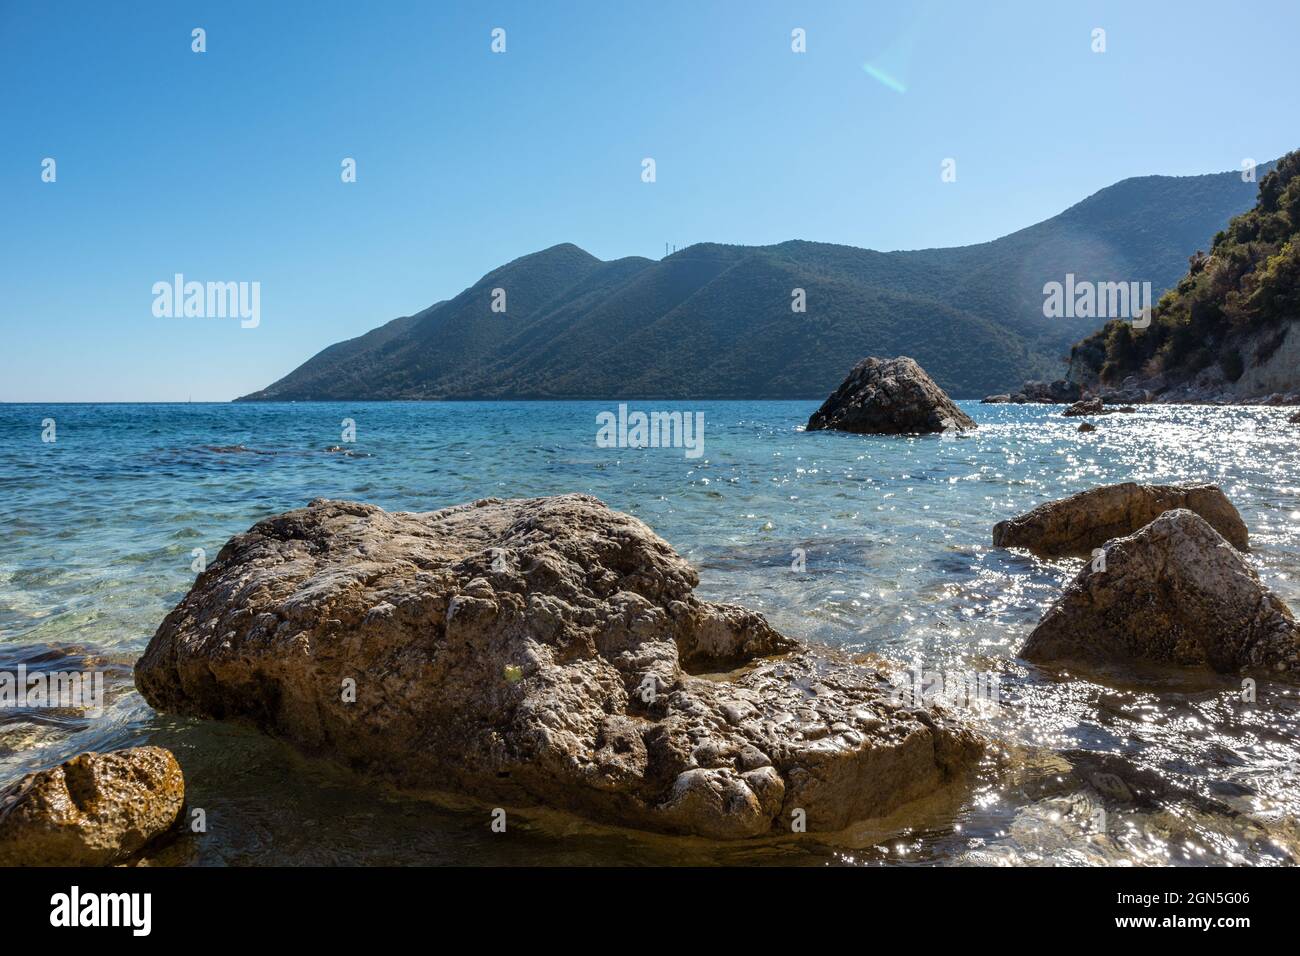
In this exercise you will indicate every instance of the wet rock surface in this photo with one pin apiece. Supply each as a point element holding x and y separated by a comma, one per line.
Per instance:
<point>1176,593</point>
<point>1086,406</point>
<point>889,397</point>
<point>95,810</point>
<point>1087,520</point>
<point>544,651</point>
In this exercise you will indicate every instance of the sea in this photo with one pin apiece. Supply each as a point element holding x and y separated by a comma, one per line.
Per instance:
<point>878,545</point>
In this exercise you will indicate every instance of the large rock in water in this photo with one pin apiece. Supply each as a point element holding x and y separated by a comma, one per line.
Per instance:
<point>94,810</point>
<point>1076,525</point>
<point>1177,593</point>
<point>889,397</point>
<point>539,651</point>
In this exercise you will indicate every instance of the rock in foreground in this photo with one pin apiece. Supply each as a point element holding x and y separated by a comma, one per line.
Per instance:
<point>889,397</point>
<point>1173,593</point>
<point>1076,525</point>
<point>94,810</point>
<point>539,651</point>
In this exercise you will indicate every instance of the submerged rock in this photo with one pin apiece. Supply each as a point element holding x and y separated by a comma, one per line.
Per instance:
<point>94,810</point>
<point>889,397</point>
<point>1087,427</point>
<point>1087,520</point>
<point>1174,592</point>
<point>540,651</point>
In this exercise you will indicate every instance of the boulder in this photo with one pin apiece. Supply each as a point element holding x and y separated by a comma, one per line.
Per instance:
<point>995,399</point>
<point>889,397</point>
<point>94,810</point>
<point>1087,427</point>
<point>1087,520</point>
<point>1294,419</point>
<point>545,651</point>
<point>1173,593</point>
<point>1085,406</point>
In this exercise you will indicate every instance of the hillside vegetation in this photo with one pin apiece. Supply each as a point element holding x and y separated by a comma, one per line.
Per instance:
<point>1246,286</point>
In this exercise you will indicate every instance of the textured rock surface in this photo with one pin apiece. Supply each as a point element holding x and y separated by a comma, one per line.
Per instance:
<point>94,810</point>
<point>1086,406</point>
<point>537,652</point>
<point>889,397</point>
<point>1087,520</point>
<point>1177,593</point>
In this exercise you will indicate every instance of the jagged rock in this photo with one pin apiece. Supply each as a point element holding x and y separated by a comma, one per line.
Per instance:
<point>1087,427</point>
<point>94,810</point>
<point>1087,520</point>
<point>995,399</point>
<point>889,397</point>
<point>540,651</point>
<point>1085,406</point>
<point>1174,592</point>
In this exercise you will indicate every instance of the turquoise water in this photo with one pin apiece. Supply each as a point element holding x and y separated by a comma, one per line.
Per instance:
<point>101,524</point>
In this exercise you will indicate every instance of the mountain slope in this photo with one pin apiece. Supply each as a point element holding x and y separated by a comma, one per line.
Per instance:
<point>1225,321</point>
<point>715,321</point>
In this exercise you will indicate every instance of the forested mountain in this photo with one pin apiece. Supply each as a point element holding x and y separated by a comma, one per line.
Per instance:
<point>715,321</point>
<point>1233,307</point>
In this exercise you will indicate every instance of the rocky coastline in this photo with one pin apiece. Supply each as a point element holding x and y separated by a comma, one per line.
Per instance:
<point>552,653</point>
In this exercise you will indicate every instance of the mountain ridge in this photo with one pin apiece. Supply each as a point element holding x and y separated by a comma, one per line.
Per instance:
<point>714,320</point>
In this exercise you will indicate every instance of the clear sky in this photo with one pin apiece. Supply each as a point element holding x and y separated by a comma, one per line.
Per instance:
<point>225,165</point>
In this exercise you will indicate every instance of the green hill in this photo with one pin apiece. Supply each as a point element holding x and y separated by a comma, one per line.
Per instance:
<point>715,321</point>
<point>1227,306</point>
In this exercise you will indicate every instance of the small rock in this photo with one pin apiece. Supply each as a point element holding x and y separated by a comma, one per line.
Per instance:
<point>94,810</point>
<point>1087,427</point>
<point>1085,406</point>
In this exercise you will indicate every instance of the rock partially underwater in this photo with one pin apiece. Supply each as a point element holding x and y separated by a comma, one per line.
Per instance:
<point>1173,593</point>
<point>95,810</point>
<point>545,651</point>
<point>1087,520</point>
<point>889,397</point>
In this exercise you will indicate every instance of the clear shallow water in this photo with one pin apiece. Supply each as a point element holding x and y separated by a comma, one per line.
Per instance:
<point>896,534</point>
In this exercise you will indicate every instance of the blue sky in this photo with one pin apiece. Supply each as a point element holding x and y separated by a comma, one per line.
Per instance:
<point>225,165</point>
